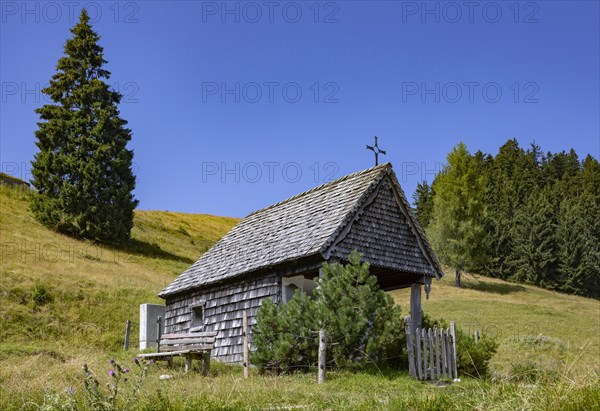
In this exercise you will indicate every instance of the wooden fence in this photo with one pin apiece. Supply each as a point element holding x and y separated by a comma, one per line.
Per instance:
<point>431,352</point>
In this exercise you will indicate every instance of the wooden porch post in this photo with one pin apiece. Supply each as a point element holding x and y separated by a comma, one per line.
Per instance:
<point>415,307</point>
<point>322,348</point>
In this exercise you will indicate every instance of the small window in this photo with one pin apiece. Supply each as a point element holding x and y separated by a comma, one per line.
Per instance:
<point>197,316</point>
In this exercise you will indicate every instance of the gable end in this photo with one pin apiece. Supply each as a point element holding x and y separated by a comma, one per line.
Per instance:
<point>382,232</point>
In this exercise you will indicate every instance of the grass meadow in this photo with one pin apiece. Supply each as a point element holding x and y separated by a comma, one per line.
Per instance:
<point>64,302</point>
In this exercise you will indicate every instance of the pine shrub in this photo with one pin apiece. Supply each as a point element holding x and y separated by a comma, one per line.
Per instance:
<point>362,324</point>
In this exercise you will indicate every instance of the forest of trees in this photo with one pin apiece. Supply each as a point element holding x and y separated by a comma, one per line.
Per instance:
<point>521,215</point>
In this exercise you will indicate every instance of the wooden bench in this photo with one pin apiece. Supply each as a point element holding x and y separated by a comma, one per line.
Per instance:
<point>189,345</point>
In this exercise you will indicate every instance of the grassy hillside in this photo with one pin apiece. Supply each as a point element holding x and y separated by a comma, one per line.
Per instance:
<point>64,302</point>
<point>543,330</point>
<point>60,292</point>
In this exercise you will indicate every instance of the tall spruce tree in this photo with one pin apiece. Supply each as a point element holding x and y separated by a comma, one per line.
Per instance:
<point>579,233</point>
<point>82,172</point>
<point>533,257</point>
<point>423,198</point>
<point>456,226</point>
<point>579,247</point>
<point>510,178</point>
<point>590,177</point>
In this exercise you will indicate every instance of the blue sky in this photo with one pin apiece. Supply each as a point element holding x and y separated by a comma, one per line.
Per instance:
<point>237,105</point>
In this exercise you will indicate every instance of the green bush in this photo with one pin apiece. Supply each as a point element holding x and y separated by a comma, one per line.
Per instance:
<point>473,357</point>
<point>360,320</point>
<point>362,324</point>
<point>284,335</point>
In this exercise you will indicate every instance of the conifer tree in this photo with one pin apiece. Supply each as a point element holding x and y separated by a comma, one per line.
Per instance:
<point>534,255</point>
<point>284,335</point>
<point>82,172</point>
<point>456,227</point>
<point>579,233</point>
<point>423,198</point>
<point>571,247</point>
<point>360,319</point>
<point>509,180</point>
<point>589,178</point>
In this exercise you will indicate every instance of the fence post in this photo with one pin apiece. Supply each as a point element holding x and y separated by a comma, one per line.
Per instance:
<point>444,353</point>
<point>409,346</point>
<point>158,333</point>
<point>476,335</point>
<point>245,334</point>
<point>418,345</point>
<point>127,330</point>
<point>431,354</point>
<point>454,359</point>
<point>449,353</point>
<point>322,356</point>
<point>424,339</point>
<point>436,335</point>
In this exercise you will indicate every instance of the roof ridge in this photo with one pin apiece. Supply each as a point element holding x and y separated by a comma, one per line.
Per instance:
<point>320,187</point>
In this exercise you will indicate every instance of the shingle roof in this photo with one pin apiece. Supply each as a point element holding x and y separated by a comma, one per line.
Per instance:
<point>301,226</point>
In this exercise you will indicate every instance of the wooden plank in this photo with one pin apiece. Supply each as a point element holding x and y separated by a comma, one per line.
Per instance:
<point>245,343</point>
<point>436,335</point>
<point>190,335</point>
<point>163,354</point>
<point>322,356</point>
<point>449,353</point>
<point>431,362</point>
<point>195,334</point>
<point>188,341</point>
<point>418,345</point>
<point>424,339</point>
<point>453,334</point>
<point>188,347</point>
<point>409,346</point>
<point>446,353</point>
<point>444,356</point>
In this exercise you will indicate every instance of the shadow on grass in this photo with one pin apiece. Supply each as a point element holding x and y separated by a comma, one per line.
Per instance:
<point>145,249</point>
<point>492,287</point>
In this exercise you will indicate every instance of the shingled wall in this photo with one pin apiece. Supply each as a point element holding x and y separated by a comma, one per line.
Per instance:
<point>223,311</point>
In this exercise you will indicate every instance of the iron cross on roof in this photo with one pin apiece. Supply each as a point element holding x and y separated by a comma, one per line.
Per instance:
<point>375,149</point>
